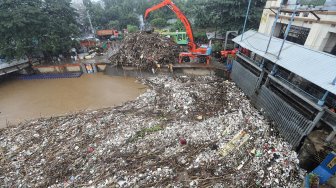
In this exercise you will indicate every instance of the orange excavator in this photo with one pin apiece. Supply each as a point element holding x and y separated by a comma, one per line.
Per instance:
<point>232,53</point>
<point>196,54</point>
<point>226,53</point>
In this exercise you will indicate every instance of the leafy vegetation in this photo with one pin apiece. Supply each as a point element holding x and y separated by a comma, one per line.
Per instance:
<point>30,26</point>
<point>159,22</point>
<point>132,28</point>
<point>223,15</point>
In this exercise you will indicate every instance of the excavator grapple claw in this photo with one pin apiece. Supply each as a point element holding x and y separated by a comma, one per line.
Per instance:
<point>148,28</point>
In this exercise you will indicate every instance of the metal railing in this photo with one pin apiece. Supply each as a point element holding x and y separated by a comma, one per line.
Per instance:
<point>298,89</point>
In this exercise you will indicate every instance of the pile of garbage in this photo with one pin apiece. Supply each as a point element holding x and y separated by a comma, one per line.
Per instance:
<point>184,131</point>
<point>145,51</point>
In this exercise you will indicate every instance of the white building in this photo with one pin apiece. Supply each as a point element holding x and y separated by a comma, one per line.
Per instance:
<point>314,23</point>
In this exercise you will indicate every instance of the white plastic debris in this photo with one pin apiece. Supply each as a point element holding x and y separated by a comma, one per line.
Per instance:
<point>137,144</point>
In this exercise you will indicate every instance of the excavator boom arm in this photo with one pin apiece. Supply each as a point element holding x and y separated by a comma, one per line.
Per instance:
<point>156,7</point>
<point>180,15</point>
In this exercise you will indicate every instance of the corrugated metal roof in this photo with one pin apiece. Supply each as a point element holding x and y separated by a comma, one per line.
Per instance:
<point>314,66</point>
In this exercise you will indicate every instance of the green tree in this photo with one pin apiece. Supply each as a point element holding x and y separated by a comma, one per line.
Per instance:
<point>128,19</point>
<point>159,22</point>
<point>28,26</point>
<point>97,13</point>
<point>61,27</point>
<point>200,36</point>
<point>132,28</point>
<point>226,15</point>
<point>21,23</point>
<point>114,24</point>
<point>204,14</point>
<point>177,26</point>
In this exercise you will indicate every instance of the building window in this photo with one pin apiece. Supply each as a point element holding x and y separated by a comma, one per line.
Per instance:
<point>296,34</point>
<point>333,51</point>
<point>330,46</point>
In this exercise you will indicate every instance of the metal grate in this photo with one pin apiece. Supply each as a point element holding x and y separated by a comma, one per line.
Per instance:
<point>290,123</point>
<point>244,78</point>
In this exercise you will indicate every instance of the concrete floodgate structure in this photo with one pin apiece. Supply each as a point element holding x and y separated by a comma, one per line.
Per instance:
<point>295,89</point>
<point>261,70</point>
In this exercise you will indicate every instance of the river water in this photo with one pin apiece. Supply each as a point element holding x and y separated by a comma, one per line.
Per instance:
<point>22,100</point>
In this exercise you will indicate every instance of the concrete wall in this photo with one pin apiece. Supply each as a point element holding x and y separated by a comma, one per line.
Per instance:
<point>58,68</point>
<point>100,67</point>
<point>319,35</point>
<point>199,72</point>
<point>73,68</point>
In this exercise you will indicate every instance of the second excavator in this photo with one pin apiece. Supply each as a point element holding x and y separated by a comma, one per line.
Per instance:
<point>196,54</point>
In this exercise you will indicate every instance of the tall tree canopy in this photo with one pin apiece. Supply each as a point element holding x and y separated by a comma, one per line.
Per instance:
<point>28,26</point>
<point>226,14</point>
<point>204,14</point>
<point>120,13</point>
<point>48,25</point>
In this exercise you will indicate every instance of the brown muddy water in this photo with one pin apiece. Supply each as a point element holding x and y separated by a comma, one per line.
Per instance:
<point>22,100</point>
